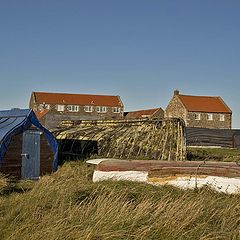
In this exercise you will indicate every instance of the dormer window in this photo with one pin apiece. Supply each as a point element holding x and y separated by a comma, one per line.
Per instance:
<point>101,109</point>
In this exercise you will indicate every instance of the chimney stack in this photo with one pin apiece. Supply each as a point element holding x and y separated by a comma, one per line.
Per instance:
<point>176,92</point>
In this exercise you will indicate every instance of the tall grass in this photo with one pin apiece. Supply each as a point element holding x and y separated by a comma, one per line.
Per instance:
<point>67,205</point>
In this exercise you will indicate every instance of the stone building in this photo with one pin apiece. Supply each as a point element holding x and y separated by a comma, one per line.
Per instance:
<point>200,111</point>
<point>52,108</point>
<point>147,113</point>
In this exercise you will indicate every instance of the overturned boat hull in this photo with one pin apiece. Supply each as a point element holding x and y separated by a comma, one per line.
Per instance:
<point>221,176</point>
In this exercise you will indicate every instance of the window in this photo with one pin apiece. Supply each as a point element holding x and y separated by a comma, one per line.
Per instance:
<point>116,109</point>
<point>88,108</point>
<point>60,108</point>
<point>73,108</point>
<point>197,116</point>
<point>101,109</point>
<point>41,106</point>
<point>47,106</point>
<point>222,117</point>
<point>209,116</point>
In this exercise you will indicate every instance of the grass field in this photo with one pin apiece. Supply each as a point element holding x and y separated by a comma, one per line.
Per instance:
<point>213,154</point>
<point>67,205</point>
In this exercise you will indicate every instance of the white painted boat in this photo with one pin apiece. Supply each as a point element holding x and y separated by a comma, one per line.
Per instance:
<point>222,177</point>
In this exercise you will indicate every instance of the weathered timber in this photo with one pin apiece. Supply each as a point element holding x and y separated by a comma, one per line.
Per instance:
<point>127,139</point>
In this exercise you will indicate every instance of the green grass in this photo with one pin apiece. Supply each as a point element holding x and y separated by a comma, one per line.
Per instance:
<point>67,205</point>
<point>213,154</point>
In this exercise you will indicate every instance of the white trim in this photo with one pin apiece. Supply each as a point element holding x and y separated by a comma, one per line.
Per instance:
<point>197,116</point>
<point>209,116</point>
<point>73,108</point>
<point>222,117</point>
<point>116,109</point>
<point>101,109</point>
<point>60,108</point>
<point>88,108</point>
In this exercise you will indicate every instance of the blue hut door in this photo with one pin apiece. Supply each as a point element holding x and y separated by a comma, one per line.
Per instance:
<point>31,154</point>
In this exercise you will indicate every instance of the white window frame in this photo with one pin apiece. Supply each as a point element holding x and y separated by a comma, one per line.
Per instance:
<point>47,106</point>
<point>116,110</point>
<point>73,108</point>
<point>197,116</point>
<point>88,108</point>
<point>222,118</point>
<point>101,109</point>
<point>60,108</point>
<point>209,116</point>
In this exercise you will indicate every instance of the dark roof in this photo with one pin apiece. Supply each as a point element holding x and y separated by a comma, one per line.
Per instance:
<point>15,121</point>
<point>204,104</point>
<point>78,99</point>
<point>11,119</point>
<point>142,113</point>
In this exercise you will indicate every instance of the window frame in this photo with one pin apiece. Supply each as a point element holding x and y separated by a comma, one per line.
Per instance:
<point>89,107</point>
<point>116,108</point>
<point>222,118</point>
<point>209,116</point>
<point>197,118</point>
<point>60,108</point>
<point>73,108</point>
<point>101,109</point>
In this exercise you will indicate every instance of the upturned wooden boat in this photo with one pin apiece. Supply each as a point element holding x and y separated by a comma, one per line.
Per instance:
<point>221,176</point>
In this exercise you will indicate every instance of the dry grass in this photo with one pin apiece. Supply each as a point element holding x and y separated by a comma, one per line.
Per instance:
<point>67,205</point>
<point>214,154</point>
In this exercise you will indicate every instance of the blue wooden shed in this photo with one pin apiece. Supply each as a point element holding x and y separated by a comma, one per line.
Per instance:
<point>27,149</point>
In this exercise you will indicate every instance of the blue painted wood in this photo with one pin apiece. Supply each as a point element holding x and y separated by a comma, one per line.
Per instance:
<point>31,154</point>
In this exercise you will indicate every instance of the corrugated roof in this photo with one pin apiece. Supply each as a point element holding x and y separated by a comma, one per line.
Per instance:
<point>11,119</point>
<point>141,113</point>
<point>78,99</point>
<point>204,104</point>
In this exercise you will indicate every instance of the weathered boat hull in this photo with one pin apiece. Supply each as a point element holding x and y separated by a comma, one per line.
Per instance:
<point>222,177</point>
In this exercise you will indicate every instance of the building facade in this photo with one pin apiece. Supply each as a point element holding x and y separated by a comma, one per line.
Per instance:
<point>52,108</point>
<point>200,111</point>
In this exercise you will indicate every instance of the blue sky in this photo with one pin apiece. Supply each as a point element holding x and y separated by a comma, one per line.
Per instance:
<point>139,49</point>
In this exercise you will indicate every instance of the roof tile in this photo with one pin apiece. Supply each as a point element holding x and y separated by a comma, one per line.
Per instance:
<point>78,99</point>
<point>141,113</point>
<point>204,104</point>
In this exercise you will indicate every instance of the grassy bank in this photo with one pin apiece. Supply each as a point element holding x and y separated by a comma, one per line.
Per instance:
<point>213,154</point>
<point>67,205</point>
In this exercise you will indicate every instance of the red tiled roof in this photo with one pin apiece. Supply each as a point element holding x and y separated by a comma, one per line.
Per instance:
<point>40,114</point>
<point>141,113</point>
<point>204,104</point>
<point>78,99</point>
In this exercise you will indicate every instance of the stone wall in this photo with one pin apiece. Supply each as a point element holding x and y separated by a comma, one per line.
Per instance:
<point>176,109</point>
<point>158,114</point>
<point>205,123</point>
<point>53,118</point>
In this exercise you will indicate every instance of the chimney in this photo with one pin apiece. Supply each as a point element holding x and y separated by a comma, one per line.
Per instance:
<point>176,92</point>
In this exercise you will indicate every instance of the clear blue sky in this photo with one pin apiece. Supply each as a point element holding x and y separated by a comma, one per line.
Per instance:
<point>139,49</point>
